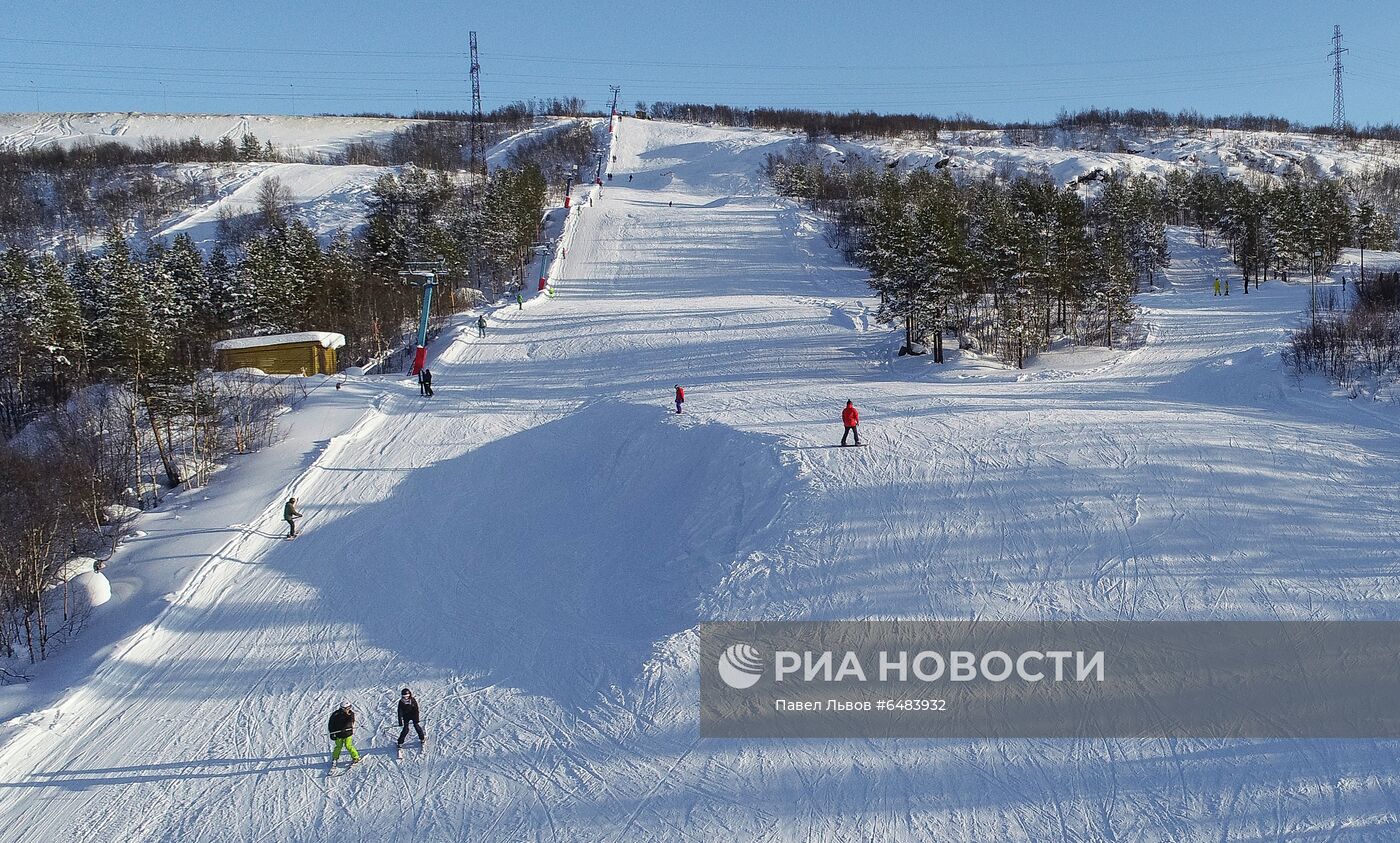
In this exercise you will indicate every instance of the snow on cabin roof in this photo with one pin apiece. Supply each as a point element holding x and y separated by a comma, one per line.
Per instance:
<point>326,339</point>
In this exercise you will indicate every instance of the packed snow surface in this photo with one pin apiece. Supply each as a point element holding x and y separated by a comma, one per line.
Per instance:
<point>531,550</point>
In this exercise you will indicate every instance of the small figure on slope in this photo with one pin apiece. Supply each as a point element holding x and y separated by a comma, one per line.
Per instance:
<point>408,715</point>
<point>290,514</point>
<point>425,382</point>
<point>850,417</point>
<point>519,301</point>
<point>481,325</point>
<point>1217,285</point>
<point>342,731</point>
<point>680,398</point>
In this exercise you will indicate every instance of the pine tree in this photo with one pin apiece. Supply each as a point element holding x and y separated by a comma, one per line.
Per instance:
<point>192,305</point>
<point>22,332</point>
<point>64,340</point>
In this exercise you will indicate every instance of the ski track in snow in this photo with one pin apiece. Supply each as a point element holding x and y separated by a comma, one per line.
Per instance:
<point>532,549</point>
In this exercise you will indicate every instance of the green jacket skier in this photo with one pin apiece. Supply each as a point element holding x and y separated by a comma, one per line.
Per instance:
<point>290,514</point>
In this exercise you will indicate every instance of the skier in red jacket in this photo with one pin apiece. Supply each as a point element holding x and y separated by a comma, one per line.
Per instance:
<point>850,417</point>
<point>680,398</point>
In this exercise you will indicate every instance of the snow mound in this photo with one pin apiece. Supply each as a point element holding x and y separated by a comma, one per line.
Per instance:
<point>92,588</point>
<point>574,547</point>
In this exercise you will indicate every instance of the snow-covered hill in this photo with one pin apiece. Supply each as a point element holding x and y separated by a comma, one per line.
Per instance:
<point>294,136</point>
<point>327,197</point>
<point>1069,157</point>
<point>531,550</point>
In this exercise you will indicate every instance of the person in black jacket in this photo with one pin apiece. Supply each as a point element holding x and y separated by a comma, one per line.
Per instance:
<point>342,729</point>
<point>408,714</point>
<point>425,382</point>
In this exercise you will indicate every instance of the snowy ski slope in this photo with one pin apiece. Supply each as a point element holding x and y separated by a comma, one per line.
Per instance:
<point>531,550</point>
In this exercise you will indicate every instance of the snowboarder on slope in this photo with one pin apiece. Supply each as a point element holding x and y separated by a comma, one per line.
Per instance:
<point>425,382</point>
<point>342,730</point>
<point>850,417</point>
<point>290,514</point>
<point>408,714</point>
<point>481,325</point>
<point>680,398</point>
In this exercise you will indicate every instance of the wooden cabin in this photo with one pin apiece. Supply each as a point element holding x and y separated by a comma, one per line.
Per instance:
<point>306,353</point>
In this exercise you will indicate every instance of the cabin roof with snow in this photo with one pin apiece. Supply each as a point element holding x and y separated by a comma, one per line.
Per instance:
<point>325,339</point>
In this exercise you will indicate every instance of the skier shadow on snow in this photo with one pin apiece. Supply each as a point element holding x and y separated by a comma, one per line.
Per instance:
<point>553,560</point>
<point>207,768</point>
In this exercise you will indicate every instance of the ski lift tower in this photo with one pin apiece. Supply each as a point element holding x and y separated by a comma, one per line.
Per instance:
<point>544,250</point>
<point>423,273</point>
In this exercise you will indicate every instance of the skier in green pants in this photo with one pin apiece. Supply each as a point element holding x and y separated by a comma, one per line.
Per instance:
<point>342,729</point>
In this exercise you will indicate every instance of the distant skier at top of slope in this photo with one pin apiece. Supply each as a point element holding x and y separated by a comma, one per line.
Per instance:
<point>680,398</point>
<point>290,514</point>
<point>342,731</point>
<point>408,714</point>
<point>850,417</point>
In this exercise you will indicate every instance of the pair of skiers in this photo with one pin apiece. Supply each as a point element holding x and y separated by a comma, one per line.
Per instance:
<point>1227,286</point>
<point>425,382</point>
<point>342,726</point>
<point>850,417</point>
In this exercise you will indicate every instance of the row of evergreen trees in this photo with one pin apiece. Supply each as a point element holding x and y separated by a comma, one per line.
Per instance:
<point>1278,229</point>
<point>1008,265</point>
<point>1011,265</point>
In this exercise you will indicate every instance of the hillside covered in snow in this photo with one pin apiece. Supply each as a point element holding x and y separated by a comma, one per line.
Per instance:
<point>532,549</point>
<point>324,192</point>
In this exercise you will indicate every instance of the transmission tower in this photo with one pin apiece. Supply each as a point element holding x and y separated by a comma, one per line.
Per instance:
<point>1339,119</point>
<point>478,127</point>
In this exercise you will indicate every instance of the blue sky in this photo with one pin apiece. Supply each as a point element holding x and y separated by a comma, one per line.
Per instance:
<point>997,60</point>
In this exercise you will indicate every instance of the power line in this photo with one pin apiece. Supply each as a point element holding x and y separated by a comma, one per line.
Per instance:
<point>1173,57</point>
<point>203,48</point>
